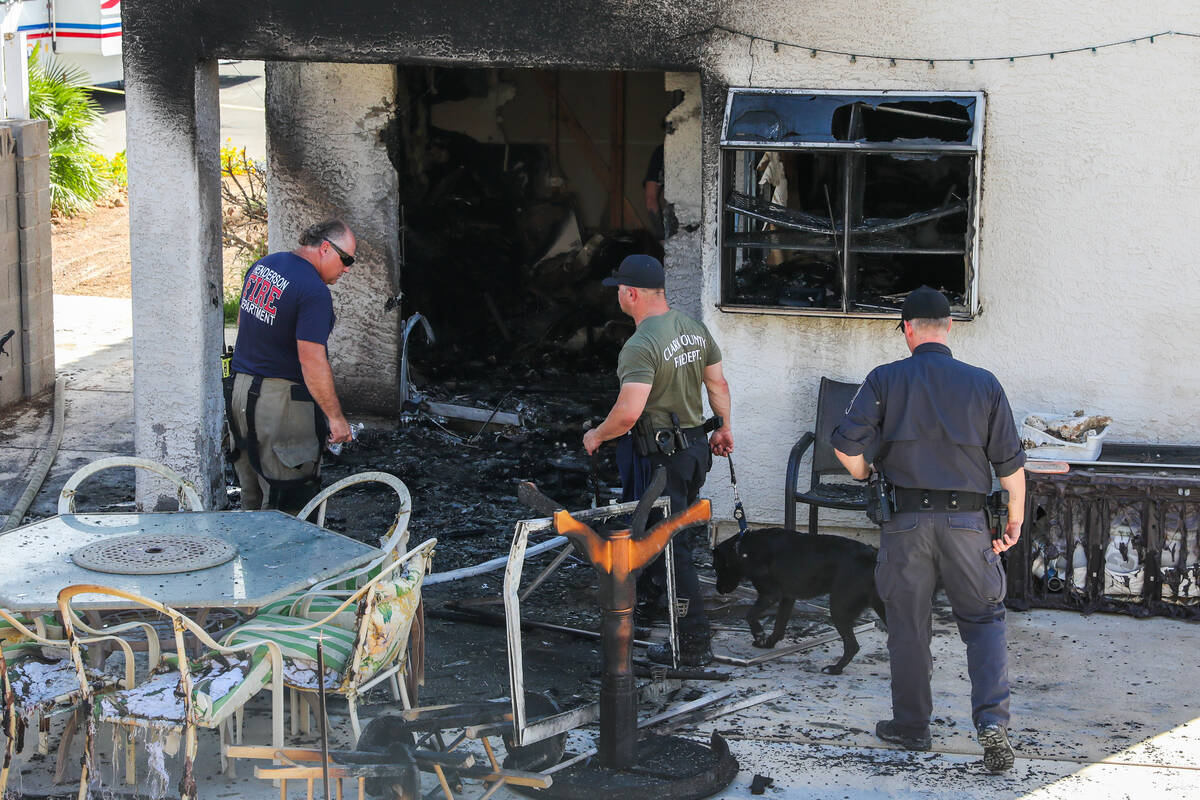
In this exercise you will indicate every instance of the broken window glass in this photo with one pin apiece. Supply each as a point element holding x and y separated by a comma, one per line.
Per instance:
<point>842,204</point>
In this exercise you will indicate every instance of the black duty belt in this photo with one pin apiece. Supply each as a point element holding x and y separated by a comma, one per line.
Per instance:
<point>694,435</point>
<point>907,500</point>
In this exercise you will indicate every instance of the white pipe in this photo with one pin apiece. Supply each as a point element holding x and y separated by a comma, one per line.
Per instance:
<point>494,564</point>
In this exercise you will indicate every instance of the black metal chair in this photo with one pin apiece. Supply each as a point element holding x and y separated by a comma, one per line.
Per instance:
<point>832,400</point>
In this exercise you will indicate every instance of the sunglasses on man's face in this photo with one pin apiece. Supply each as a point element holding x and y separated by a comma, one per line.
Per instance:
<point>346,258</point>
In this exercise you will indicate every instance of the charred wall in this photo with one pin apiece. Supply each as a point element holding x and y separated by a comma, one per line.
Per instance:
<point>323,165</point>
<point>172,35</point>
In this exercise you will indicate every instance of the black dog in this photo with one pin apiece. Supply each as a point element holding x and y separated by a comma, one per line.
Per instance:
<point>784,566</point>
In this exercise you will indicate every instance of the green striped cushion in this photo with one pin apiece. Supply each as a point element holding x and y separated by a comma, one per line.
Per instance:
<point>319,607</point>
<point>322,606</point>
<point>282,606</point>
<point>219,687</point>
<point>299,648</point>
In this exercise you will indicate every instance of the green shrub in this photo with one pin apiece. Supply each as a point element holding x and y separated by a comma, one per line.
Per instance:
<point>232,305</point>
<point>57,95</point>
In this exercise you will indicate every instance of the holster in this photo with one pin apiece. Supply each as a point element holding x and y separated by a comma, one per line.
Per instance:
<point>643,436</point>
<point>879,499</point>
<point>996,509</point>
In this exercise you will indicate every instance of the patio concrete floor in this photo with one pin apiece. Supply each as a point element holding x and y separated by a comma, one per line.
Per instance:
<point>1093,716</point>
<point>1103,706</point>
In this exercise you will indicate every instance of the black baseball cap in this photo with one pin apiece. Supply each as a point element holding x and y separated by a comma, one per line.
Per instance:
<point>642,272</point>
<point>923,303</point>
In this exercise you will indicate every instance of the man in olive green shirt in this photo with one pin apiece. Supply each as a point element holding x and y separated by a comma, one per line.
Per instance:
<point>662,367</point>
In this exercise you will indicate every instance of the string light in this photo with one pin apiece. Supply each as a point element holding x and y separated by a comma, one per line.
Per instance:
<point>932,62</point>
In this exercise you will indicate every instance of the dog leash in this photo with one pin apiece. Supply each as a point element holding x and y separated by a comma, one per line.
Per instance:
<point>739,513</point>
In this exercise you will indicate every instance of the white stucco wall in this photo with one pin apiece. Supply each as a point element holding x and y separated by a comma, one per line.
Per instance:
<point>1090,206</point>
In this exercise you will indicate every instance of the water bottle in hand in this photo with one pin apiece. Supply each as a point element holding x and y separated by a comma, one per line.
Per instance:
<point>336,447</point>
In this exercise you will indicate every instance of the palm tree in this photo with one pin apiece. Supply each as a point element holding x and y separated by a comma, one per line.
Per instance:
<point>58,95</point>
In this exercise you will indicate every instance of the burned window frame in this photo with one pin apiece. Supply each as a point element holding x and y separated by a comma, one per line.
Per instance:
<point>843,252</point>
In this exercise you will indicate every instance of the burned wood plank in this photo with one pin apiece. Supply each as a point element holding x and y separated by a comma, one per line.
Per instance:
<point>473,418</point>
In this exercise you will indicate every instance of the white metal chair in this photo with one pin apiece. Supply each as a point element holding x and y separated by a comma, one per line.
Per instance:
<point>183,693</point>
<point>189,499</point>
<point>399,526</point>
<point>318,600</point>
<point>37,679</point>
<point>359,658</point>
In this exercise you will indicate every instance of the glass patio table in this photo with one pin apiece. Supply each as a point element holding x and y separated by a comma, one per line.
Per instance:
<point>196,559</point>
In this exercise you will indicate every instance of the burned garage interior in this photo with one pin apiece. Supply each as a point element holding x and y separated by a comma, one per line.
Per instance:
<point>519,190</point>
<point>842,204</point>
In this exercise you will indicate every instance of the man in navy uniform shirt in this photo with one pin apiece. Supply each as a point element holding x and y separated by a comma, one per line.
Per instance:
<point>284,402</point>
<point>939,427</point>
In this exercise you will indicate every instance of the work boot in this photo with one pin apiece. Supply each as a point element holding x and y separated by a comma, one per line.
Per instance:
<point>997,752</point>
<point>889,731</point>
<point>692,653</point>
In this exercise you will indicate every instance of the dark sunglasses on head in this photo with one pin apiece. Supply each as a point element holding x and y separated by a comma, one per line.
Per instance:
<point>346,258</point>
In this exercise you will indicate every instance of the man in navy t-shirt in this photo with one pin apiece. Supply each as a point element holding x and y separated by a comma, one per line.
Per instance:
<point>284,401</point>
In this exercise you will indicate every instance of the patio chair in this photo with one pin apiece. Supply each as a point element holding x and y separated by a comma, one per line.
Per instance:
<point>355,659</point>
<point>38,679</point>
<point>189,500</point>
<point>832,400</point>
<point>316,602</point>
<point>182,693</point>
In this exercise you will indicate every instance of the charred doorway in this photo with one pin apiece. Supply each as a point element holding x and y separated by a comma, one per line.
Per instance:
<point>520,189</point>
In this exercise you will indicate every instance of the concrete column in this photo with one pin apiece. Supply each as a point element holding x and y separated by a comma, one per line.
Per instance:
<point>173,134</point>
<point>327,156</point>
<point>683,168</point>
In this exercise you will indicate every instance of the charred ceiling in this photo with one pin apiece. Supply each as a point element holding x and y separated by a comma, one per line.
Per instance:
<point>164,39</point>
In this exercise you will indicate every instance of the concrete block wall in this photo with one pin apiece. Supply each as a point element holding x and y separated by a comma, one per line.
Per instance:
<point>26,277</point>
<point>12,386</point>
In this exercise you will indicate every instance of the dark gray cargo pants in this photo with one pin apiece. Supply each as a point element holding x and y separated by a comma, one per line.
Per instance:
<point>914,549</point>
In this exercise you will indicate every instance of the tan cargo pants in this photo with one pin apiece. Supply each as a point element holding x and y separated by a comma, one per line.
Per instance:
<point>287,441</point>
